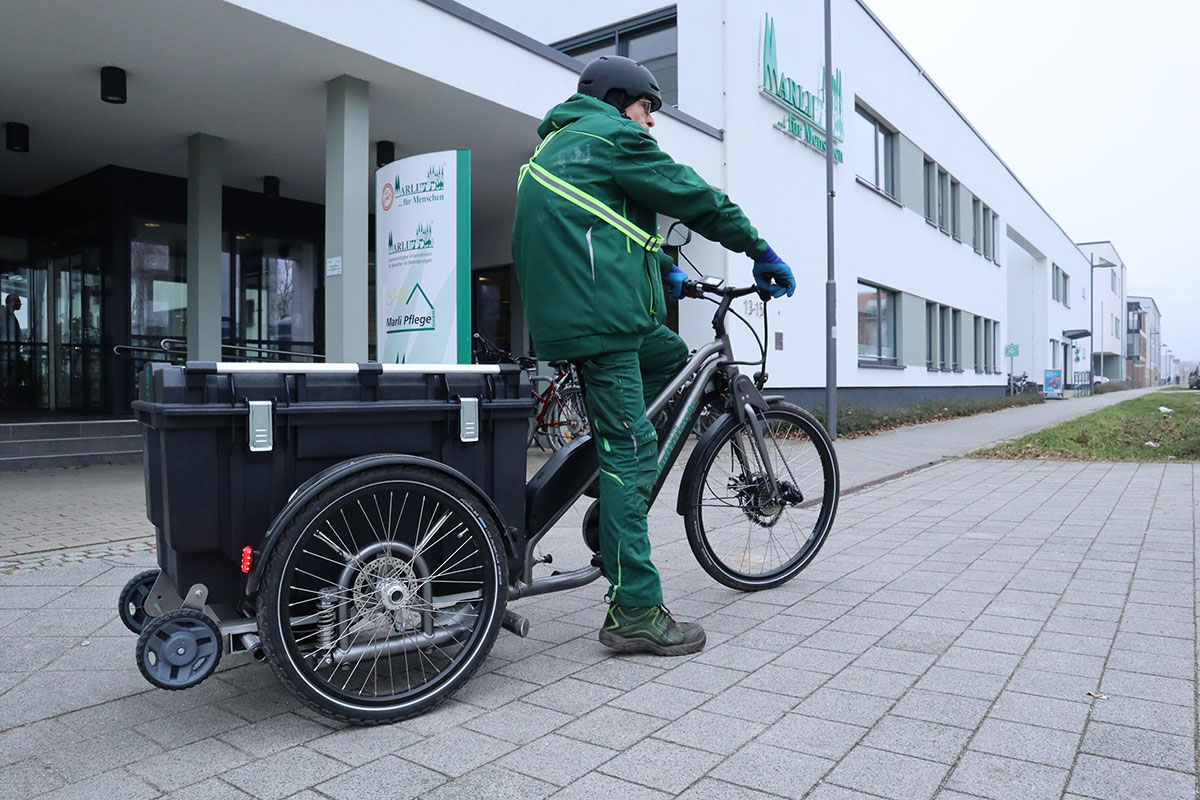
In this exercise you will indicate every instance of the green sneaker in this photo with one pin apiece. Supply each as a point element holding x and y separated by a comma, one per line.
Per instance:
<point>632,629</point>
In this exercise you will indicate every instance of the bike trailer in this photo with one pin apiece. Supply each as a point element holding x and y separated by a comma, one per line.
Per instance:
<point>226,445</point>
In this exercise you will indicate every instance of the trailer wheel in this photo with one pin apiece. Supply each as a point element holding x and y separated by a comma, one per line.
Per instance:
<point>179,649</point>
<point>131,605</point>
<point>384,594</point>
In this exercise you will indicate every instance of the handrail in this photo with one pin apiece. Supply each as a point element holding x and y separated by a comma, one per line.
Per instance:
<point>169,344</point>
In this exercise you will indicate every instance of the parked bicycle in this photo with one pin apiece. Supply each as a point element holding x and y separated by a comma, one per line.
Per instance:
<point>1020,384</point>
<point>382,582</point>
<point>561,415</point>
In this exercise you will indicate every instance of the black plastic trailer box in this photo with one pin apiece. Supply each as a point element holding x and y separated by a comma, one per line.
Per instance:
<point>227,444</point>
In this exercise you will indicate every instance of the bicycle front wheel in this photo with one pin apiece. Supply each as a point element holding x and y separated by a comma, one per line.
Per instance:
<point>744,534</point>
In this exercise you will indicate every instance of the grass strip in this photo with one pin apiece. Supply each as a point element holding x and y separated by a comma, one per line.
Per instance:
<point>1133,430</point>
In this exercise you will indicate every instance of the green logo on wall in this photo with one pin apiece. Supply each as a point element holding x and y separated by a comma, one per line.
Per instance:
<point>422,241</point>
<point>435,181</point>
<point>806,110</point>
<point>416,313</point>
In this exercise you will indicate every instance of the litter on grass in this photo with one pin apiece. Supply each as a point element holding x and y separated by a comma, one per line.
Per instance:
<point>1165,410</point>
<point>1151,444</point>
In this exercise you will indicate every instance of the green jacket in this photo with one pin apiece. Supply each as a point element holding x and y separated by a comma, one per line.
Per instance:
<point>587,288</point>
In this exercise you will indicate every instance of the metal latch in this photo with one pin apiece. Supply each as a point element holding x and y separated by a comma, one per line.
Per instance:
<point>261,426</point>
<point>468,419</point>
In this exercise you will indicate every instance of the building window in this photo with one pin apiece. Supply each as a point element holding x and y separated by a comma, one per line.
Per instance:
<point>956,342</point>
<point>979,344</point>
<point>930,190</point>
<point>874,152</point>
<point>650,39</point>
<point>944,340</point>
<point>987,232</point>
<point>977,225</point>
<point>955,222</point>
<point>943,187</point>
<point>1054,284</point>
<point>876,325</point>
<point>931,335</point>
<point>1113,275</point>
<point>995,237</point>
<point>989,346</point>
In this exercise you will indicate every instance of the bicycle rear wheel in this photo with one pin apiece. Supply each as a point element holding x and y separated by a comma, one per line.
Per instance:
<point>744,535</point>
<point>566,419</point>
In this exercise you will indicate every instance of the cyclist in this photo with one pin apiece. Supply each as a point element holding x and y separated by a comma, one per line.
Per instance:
<point>592,279</point>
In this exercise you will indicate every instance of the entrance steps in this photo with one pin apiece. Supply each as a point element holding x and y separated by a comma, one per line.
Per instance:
<point>76,443</point>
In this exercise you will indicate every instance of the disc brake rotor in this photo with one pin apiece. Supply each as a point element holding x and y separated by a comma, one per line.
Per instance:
<point>386,594</point>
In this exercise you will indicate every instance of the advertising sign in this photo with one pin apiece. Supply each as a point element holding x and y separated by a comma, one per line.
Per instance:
<point>423,259</point>
<point>1052,383</point>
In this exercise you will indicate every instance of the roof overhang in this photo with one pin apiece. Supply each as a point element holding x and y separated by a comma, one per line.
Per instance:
<point>1076,333</point>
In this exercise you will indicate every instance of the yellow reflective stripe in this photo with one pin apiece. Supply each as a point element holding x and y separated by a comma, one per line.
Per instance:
<point>594,136</point>
<point>590,204</point>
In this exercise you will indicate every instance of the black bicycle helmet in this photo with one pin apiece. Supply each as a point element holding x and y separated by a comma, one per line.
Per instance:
<point>619,81</point>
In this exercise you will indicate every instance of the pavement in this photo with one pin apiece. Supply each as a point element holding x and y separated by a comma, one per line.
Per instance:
<point>971,629</point>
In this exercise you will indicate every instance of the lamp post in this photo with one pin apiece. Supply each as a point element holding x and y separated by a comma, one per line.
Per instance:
<point>830,282</point>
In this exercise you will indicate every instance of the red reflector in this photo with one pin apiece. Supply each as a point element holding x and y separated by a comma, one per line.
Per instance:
<point>247,557</point>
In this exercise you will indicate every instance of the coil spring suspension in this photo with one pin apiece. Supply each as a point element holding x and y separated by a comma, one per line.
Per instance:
<point>326,620</point>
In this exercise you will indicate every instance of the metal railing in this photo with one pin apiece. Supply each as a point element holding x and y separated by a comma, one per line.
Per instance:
<point>175,350</point>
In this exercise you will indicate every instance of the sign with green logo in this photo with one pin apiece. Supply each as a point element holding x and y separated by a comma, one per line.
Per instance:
<point>805,119</point>
<point>423,259</point>
<point>1011,351</point>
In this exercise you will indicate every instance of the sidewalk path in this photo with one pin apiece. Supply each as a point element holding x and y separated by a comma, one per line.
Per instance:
<point>43,510</point>
<point>978,629</point>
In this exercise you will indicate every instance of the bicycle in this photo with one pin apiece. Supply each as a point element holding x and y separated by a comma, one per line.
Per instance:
<point>381,584</point>
<point>561,414</point>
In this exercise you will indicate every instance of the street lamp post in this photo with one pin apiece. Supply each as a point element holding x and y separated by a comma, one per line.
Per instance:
<point>1104,263</point>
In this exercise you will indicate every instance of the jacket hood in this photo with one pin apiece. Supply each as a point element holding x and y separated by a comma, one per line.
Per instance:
<point>573,108</point>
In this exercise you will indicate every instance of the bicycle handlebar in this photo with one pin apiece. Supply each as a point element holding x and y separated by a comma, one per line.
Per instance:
<point>693,288</point>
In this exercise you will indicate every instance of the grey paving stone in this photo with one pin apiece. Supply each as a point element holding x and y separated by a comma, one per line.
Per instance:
<point>1147,714</point>
<point>794,683</point>
<point>871,681</point>
<point>612,727</point>
<point>115,783</point>
<point>1000,778</point>
<point>217,789</point>
<point>1079,664</point>
<point>888,658</point>
<point>715,733</point>
<point>701,677</point>
<point>492,691</point>
<point>274,734</point>
<point>189,726</point>
<point>619,673</point>
<point>1027,742</point>
<point>660,700</point>
<point>457,751</point>
<point>1110,779</point>
<point>86,759</point>
<point>999,642</point>
<point>913,737</point>
<point>1152,748</point>
<point>758,706</point>
<point>946,709</point>
<point>572,696</point>
<point>712,789</point>
<point>282,774</point>
<point>812,735</point>
<point>28,778</point>
<point>661,765</point>
<point>773,769</point>
<point>596,784</point>
<point>1053,684</point>
<point>493,783</point>
<point>841,641</point>
<point>540,669</point>
<point>1147,664</point>
<point>814,660</point>
<point>886,774</point>
<point>828,791</point>
<point>988,661</point>
<point>849,707</point>
<point>1148,687</point>
<point>918,641</point>
<point>358,745</point>
<point>732,656</point>
<point>556,759</point>
<point>1155,645</point>
<point>174,769</point>
<point>1065,715</point>
<point>518,722</point>
<point>960,681</point>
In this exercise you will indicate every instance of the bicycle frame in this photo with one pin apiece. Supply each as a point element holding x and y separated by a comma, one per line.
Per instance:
<point>709,360</point>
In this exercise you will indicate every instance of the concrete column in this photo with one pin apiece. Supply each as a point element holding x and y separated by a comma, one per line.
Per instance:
<point>204,248</point>
<point>347,156</point>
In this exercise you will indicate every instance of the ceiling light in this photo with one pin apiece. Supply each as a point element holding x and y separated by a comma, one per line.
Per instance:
<point>16,137</point>
<point>112,85</point>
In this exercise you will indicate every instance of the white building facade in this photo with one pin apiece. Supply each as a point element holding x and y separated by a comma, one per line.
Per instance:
<point>945,262</point>
<point>1109,340</point>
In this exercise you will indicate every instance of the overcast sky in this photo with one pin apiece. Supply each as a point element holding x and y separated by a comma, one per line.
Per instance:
<point>1094,105</point>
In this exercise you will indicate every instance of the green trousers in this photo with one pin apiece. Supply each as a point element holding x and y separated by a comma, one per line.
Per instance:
<point>617,387</point>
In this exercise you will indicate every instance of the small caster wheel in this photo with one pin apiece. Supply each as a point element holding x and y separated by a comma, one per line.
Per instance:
<point>132,603</point>
<point>179,649</point>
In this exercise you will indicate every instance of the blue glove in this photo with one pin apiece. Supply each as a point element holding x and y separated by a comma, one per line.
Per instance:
<point>770,267</point>
<point>674,282</point>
